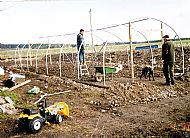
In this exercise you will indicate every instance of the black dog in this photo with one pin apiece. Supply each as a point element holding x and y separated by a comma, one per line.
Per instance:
<point>147,71</point>
<point>9,83</point>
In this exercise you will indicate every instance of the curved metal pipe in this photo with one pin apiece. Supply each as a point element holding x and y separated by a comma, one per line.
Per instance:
<point>37,56</point>
<point>61,51</point>
<point>29,50</point>
<point>21,55</point>
<point>78,59</point>
<point>17,48</point>
<point>152,56</point>
<point>47,51</point>
<point>104,71</point>
<point>148,44</point>
<point>147,18</point>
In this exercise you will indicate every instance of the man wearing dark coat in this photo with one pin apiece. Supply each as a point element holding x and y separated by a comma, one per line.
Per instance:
<point>80,46</point>
<point>168,60</point>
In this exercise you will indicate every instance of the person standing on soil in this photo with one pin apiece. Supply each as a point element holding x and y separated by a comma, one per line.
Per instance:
<point>168,60</point>
<point>80,46</point>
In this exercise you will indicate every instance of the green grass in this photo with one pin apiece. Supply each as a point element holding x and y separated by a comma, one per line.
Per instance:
<point>18,104</point>
<point>12,95</point>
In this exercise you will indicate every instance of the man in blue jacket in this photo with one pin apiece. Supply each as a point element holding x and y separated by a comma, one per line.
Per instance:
<point>80,46</point>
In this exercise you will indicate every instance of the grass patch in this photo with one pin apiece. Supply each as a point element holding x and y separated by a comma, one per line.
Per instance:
<point>5,116</point>
<point>12,95</point>
<point>18,104</point>
<point>21,105</point>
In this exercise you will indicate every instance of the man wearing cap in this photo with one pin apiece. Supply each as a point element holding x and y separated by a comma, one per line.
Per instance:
<point>80,46</point>
<point>168,60</point>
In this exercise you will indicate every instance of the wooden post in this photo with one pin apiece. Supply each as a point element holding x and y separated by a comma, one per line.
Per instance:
<point>104,72</point>
<point>30,54</point>
<point>131,52</point>
<point>49,52</point>
<point>162,34</point>
<point>128,56</point>
<point>20,57</point>
<point>60,54</point>
<point>94,50</point>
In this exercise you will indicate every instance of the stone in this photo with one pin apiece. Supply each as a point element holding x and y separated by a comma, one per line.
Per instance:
<point>114,109</point>
<point>2,101</point>
<point>8,106</point>
<point>34,90</point>
<point>2,109</point>
<point>11,112</point>
<point>8,109</point>
<point>103,111</point>
<point>9,100</point>
<point>91,102</point>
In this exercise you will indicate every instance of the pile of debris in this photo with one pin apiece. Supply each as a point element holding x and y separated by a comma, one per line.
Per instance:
<point>7,105</point>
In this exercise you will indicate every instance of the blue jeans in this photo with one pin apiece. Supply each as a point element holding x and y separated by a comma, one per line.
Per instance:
<point>81,56</point>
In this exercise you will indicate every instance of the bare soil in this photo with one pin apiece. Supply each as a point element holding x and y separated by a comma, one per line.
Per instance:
<point>123,108</point>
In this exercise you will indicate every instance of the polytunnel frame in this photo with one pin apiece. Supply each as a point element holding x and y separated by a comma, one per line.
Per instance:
<point>47,53</point>
<point>104,46</point>
<point>37,56</point>
<point>29,50</point>
<point>152,56</point>
<point>143,19</point>
<point>176,34</point>
<point>104,49</point>
<point>61,51</point>
<point>78,64</point>
<point>19,54</point>
<point>26,55</point>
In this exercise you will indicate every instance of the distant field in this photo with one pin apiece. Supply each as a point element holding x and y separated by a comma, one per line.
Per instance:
<point>42,52</point>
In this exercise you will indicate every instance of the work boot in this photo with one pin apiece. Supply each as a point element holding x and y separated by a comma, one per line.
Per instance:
<point>172,82</point>
<point>167,83</point>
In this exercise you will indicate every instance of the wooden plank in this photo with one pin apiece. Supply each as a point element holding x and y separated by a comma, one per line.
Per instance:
<point>92,84</point>
<point>19,85</point>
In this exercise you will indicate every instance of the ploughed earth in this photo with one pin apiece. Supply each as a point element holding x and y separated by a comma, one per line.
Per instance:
<point>122,108</point>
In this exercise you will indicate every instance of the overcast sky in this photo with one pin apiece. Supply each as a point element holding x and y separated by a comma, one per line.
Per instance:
<point>21,22</point>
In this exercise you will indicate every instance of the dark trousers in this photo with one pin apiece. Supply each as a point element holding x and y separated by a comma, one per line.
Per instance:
<point>81,56</point>
<point>168,70</point>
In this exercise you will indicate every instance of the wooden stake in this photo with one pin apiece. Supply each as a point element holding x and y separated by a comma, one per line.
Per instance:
<point>131,52</point>
<point>162,34</point>
<point>91,31</point>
